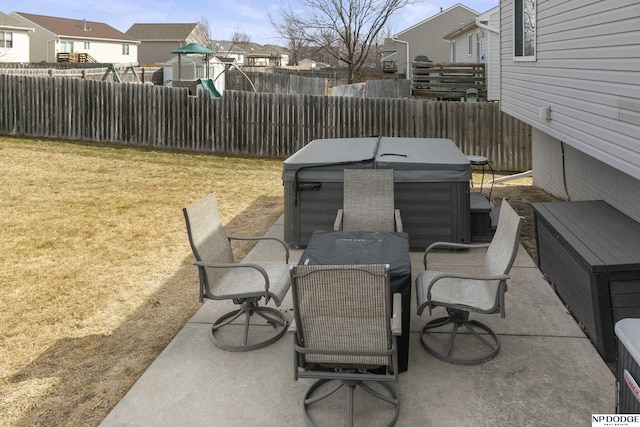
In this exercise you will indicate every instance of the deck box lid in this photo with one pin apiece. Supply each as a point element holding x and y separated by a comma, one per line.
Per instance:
<point>607,238</point>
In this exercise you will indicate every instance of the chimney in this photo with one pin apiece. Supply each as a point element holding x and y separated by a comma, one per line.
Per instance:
<point>84,24</point>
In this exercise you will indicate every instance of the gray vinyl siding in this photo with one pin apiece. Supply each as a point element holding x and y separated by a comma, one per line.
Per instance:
<point>157,52</point>
<point>587,70</point>
<point>493,59</point>
<point>569,173</point>
<point>41,43</point>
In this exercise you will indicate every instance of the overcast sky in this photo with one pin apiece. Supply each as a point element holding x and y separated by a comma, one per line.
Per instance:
<point>224,16</point>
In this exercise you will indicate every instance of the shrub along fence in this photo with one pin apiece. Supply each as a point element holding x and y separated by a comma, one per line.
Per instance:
<point>263,124</point>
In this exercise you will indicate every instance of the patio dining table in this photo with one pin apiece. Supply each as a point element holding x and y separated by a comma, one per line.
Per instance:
<point>363,247</point>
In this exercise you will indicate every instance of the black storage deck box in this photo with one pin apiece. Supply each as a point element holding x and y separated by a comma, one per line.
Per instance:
<point>431,186</point>
<point>590,251</point>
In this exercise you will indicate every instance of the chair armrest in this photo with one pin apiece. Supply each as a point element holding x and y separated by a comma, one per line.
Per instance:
<point>472,277</point>
<point>237,265</point>
<point>337,225</point>
<point>276,239</point>
<point>398,219</point>
<point>450,245</point>
<point>396,319</point>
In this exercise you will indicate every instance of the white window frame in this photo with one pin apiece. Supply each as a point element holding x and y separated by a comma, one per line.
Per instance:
<point>470,39</point>
<point>87,45</point>
<point>66,46</point>
<point>125,49</point>
<point>6,42</point>
<point>519,52</point>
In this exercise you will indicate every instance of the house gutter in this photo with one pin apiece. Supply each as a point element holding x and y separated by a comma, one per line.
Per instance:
<point>487,27</point>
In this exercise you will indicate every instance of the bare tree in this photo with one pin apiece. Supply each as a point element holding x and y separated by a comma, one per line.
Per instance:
<point>202,33</point>
<point>346,29</point>
<point>292,31</point>
<point>239,36</point>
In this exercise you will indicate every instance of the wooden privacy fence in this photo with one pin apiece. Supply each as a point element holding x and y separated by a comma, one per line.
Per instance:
<point>248,123</point>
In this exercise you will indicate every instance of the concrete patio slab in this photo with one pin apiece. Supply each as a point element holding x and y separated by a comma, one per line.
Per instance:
<point>547,371</point>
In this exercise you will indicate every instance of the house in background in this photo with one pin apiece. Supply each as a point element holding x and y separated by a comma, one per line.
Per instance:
<point>14,39</point>
<point>277,52</point>
<point>229,50</point>
<point>158,40</point>
<point>570,69</point>
<point>427,38</point>
<point>97,41</point>
<point>260,56</point>
<point>479,41</point>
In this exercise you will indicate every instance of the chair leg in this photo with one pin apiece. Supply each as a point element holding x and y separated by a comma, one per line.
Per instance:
<point>273,317</point>
<point>389,397</point>
<point>481,332</point>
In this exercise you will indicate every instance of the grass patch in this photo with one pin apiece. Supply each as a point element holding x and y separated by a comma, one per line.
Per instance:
<point>96,274</point>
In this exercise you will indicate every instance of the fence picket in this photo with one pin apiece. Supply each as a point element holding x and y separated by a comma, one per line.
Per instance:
<point>245,122</point>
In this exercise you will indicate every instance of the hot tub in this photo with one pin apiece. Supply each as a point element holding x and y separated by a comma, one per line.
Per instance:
<point>431,186</point>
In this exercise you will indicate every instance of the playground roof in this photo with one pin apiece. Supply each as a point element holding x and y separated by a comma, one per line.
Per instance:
<point>193,48</point>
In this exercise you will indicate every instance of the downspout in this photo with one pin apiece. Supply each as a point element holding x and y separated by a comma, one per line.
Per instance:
<point>407,69</point>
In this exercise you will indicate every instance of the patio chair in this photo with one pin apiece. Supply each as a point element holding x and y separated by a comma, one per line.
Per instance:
<point>243,283</point>
<point>368,202</point>
<point>461,294</point>
<point>345,334</point>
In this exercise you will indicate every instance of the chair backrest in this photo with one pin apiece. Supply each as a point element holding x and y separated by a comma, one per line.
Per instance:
<point>368,200</point>
<point>504,246</point>
<point>208,240</point>
<point>343,309</point>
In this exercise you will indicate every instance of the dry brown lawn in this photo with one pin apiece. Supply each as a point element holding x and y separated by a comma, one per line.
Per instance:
<point>96,273</point>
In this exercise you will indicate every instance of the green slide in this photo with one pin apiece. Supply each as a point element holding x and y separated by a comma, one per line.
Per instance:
<point>210,87</point>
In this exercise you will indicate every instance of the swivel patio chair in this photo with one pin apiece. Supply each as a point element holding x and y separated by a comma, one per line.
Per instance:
<point>368,202</point>
<point>243,283</point>
<point>461,294</point>
<point>345,336</point>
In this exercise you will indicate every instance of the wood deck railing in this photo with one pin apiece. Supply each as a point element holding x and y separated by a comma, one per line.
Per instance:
<point>447,80</point>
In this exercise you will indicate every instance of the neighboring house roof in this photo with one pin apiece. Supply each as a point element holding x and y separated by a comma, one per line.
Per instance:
<point>274,48</point>
<point>226,46</point>
<point>436,16</point>
<point>10,23</point>
<point>77,28</point>
<point>467,26</point>
<point>252,48</point>
<point>481,21</point>
<point>225,60</point>
<point>158,32</point>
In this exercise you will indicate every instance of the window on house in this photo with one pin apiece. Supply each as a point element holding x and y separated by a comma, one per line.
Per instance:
<point>125,49</point>
<point>87,45</point>
<point>6,39</point>
<point>470,44</point>
<point>66,46</point>
<point>524,37</point>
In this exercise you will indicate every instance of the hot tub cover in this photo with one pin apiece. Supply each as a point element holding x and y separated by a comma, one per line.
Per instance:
<point>413,159</point>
